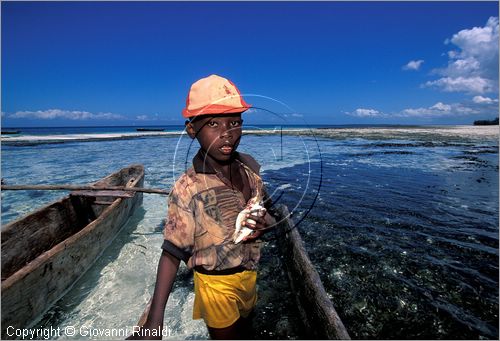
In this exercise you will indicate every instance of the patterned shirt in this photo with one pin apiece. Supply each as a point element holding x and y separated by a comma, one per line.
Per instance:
<point>202,211</point>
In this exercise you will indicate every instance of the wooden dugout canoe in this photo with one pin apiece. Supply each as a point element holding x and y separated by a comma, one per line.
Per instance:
<point>315,308</point>
<point>45,252</point>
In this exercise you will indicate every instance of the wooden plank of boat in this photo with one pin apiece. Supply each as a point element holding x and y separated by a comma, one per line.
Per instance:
<point>115,194</point>
<point>45,252</point>
<point>317,312</point>
<point>315,307</point>
<point>10,132</point>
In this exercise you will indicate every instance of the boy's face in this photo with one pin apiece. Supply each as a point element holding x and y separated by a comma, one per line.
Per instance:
<point>218,135</point>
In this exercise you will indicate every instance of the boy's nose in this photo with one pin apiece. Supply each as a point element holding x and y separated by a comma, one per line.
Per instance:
<point>226,131</point>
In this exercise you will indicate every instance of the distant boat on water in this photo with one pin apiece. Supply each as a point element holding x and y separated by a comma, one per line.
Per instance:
<point>10,132</point>
<point>150,129</point>
<point>486,122</point>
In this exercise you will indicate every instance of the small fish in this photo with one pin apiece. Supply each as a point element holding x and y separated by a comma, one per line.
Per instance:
<point>253,207</point>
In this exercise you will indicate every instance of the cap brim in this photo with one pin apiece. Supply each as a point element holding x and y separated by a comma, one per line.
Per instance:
<point>215,109</point>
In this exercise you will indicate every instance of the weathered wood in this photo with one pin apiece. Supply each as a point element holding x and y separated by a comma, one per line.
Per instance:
<point>115,194</point>
<point>80,188</point>
<point>315,307</point>
<point>44,253</point>
<point>102,202</point>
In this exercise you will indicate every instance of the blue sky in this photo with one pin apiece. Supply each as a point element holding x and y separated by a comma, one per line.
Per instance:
<point>131,63</point>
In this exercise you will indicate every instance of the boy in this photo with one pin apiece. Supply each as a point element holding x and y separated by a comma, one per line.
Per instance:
<point>202,210</point>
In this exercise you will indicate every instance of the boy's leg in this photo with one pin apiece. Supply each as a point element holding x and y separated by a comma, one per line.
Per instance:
<point>240,330</point>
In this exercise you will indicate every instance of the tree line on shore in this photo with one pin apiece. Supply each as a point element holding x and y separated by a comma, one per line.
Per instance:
<point>486,122</point>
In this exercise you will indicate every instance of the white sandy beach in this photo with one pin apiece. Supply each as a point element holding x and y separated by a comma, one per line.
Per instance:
<point>427,133</point>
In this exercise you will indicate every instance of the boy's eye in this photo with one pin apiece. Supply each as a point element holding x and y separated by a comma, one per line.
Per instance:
<point>235,123</point>
<point>212,124</point>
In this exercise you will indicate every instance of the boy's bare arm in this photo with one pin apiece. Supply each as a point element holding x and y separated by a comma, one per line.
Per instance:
<point>165,277</point>
<point>167,270</point>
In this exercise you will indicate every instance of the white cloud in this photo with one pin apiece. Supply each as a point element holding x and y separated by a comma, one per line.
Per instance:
<point>413,65</point>
<point>478,106</point>
<point>362,112</point>
<point>473,67</point>
<point>440,109</point>
<point>477,40</point>
<point>463,84</point>
<point>463,66</point>
<point>414,112</point>
<point>143,117</point>
<point>484,100</point>
<point>441,106</point>
<point>64,114</point>
<point>293,115</point>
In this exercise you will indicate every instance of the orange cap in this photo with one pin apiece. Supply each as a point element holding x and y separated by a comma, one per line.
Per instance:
<point>214,95</point>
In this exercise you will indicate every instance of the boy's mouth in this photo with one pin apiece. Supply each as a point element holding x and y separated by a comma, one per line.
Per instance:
<point>226,149</point>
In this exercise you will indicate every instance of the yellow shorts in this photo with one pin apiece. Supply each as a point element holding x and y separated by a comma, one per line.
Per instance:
<point>221,299</point>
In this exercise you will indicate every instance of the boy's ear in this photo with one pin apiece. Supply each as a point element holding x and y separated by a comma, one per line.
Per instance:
<point>190,129</point>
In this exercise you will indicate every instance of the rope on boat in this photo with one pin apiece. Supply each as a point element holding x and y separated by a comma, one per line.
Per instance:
<point>81,188</point>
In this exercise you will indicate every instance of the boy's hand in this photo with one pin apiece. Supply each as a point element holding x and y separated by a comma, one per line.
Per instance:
<point>256,223</point>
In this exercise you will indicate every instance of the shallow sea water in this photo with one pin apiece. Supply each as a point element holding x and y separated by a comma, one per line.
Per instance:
<point>403,231</point>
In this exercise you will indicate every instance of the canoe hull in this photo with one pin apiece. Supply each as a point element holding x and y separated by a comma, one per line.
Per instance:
<point>316,310</point>
<point>34,288</point>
